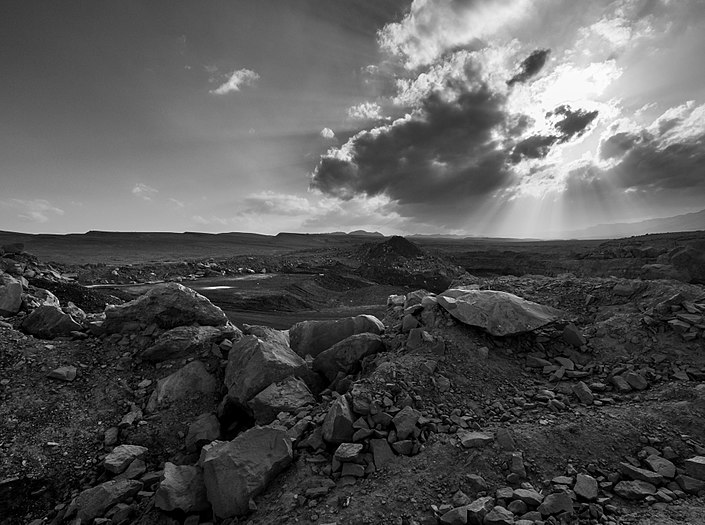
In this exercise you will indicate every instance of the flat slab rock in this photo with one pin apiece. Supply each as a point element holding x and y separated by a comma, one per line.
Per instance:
<point>499,313</point>
<point>475,439</point>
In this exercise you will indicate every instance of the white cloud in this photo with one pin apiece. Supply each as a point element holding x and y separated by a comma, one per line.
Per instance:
<point>327,133</point>
<point>365,111</point>
<point>144,191</point>
<point>433,27</point>
<point>238,79</point>
<point>36,210</point>
<point>177,202</point>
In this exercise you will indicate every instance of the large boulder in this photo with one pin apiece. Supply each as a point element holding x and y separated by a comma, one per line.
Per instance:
<point>10,295</point>
<point>499,313</point>
<point>48,322</point>
<point>181,489</point>
<point>313,337</point>
<point>254,364</point>
<point>181,341</point>
<point>186,383</point>
<point>121,457</point>
<point>168,305</point>
<point>690,261</point>
<point>267,333</point>
<point>345,356</point>
<point>92,503</point>
<point>241,469</point>
<point>37,297</point>
<point>288,395</point>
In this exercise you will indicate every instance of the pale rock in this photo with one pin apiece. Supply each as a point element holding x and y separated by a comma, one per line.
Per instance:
<point>167,305</point>
<point>634,490</point>
<point>499,313</point>
<point>121,457</point>
<point>10,295</point>
<point>254,364</point>
<point>313,337</point>
<point>182,488</point>
<point>586,487</point>
<point>187,382</point>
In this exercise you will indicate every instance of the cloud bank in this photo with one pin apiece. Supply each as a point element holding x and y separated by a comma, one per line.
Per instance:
<point>478,116</point>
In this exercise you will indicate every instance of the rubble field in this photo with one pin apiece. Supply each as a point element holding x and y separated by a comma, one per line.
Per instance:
<point>416,392</point>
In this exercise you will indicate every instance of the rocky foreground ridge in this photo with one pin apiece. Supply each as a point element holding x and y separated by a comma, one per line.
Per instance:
<point>498,401</point>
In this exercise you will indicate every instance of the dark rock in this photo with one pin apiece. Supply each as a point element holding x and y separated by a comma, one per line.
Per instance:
<point>63,373</point>
<point>239,470</point>
<point>381,452</point>
<point>92,503</point>
<point>636,473</point>
<point>47,322</point>
<point>499,516</point>
<point>556,503</point>
<point>572,336</point>
<point>661,466</point>
<point>405,422</point>
<point>288,395</point>
<point>695,467</point>
<point>203,430</point>
<point>345,356</point>
<point>187,382</point>
<point>181,341</point>
<point>586,487</point>
<point>338,423</point>
<point>634,490</point>
<point>583,393</point>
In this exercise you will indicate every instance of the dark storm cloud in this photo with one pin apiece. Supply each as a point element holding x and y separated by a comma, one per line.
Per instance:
<point>647,165</point>
<point>530,66</point>
<point>650,161</point>
<point>567,123</point>
<point>443,154</point>
<point>571,123</point>
<point>535,147</point>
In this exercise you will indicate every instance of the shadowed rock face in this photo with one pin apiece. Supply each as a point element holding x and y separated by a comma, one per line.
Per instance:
<point>500,313</point>
<point>48,322</point>
<point>167,305</point>
<point>242,468</point>
<point>313,337</point>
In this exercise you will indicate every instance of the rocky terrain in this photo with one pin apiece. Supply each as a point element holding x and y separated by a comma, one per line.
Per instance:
<point>499,399</point>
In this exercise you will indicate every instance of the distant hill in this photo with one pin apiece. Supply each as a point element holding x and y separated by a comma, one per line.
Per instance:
<point>679,223</point>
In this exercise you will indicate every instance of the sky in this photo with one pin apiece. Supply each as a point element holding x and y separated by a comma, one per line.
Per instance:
<point>513,118</point>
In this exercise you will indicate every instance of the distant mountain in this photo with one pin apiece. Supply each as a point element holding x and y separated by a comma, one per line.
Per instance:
<point>679,223</point>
